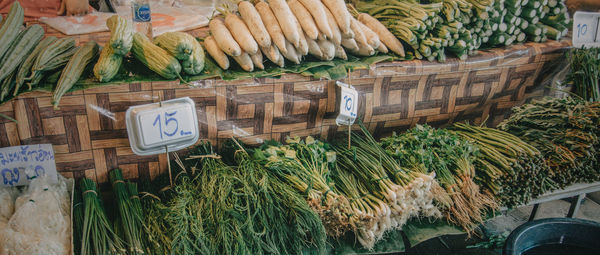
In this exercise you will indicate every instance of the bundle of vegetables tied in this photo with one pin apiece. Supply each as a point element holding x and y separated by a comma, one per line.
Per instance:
<point>26,58</point>
<point>452,160</point>
<point>566,131</point>
<point>291,30</point>
<point>434,27</point>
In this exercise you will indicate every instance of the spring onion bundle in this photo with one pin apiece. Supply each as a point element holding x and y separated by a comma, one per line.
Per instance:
<point>452,160</point>
<point>305,165</point>
<point>383,195</point>
<point>513,170</point>
<point>130,213</point>
<point>585,73</point>
<point>98,236</point>
<point>566,131</point>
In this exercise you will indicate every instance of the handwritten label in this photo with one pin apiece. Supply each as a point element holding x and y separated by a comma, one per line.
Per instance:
<point>151,127</point>
<point>586,29</point>
<point>21,164</point>
<point>348,104</point>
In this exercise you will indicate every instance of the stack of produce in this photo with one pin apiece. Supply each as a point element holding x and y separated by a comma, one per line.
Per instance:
<point>409,21</point>
<point>291,30</point>
<point>511,169</point>
<point>541,19</point>
<point>382,194</point>
<point>566,131</point>
<point>305,165</point>
<point>36,221</point>
<point>169,55</point>
<point>507,28</point>
<point>111,56</point>
<point>215,208</point>
<point>585,73</point>
<point>452,159</point>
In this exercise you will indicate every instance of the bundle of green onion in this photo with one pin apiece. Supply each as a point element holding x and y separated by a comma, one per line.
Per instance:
<point>382,194</point>
<point>98,236</point>
<point>513,170</point>
<point>452,160</point>
<point>585,73</point>
<point>305,165</point>
<point>566,131</point>
<point>130,213</point>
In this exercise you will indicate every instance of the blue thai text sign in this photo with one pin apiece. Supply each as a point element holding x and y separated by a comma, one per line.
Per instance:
<point>21,164</point>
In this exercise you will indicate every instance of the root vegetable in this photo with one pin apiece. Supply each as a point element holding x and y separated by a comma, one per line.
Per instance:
<point>270,21</point>
<point>273,54</point>
<point>305,19</point>
<point>291,54</point>
<point>342,15</point>
<point>285,17</point>
<point>240,32</point>
<point>257,60</point>
<point>317,10</point>
<point>255,24</point>
<point>215,52</point>
<point>328,49</point>
<point>359,35</point>
<point>350,44</point>
<point>313,48</point>
<point>372,37</point>
<point>390,41</point>
<point>245,62</point>
<point>340,53</point>
<point>335,30</point>
<point>382,48</point>
<point>223,37</point>
<point>303,47</point>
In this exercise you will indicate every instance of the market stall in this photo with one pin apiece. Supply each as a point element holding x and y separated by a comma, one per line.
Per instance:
<point>462,110</point>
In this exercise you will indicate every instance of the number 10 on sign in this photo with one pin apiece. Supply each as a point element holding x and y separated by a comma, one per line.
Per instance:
<point>586,29</point>
<point>348,105</point>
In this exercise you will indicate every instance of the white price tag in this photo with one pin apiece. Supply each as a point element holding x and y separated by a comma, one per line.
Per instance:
<point>21,164</point>
<point>348,105</point>
<point>586,29</point>
<point>172,123</point>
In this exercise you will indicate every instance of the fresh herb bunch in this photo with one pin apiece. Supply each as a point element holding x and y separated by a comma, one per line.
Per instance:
<point>98,236</point>
<point>382,194</point>
<point>452,159</point>
<point>131,219</point>
<point>566,131</point>
<point>215,208</point>
<point>305,164</point>
<point>585,73</point>
<point>513,170</point>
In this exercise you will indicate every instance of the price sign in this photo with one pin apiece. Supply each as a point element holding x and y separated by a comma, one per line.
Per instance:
<point>586,29</point>
<point>348,104</point>
<point>153,128</point>
<point>21,164</point>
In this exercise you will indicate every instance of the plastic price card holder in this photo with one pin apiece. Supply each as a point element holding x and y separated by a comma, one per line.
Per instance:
<point>586,29</point>
<point>348,104</point>
<point>154,128</point>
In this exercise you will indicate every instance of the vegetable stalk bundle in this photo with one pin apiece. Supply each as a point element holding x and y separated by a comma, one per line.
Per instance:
<point>219,209</point>
<point>383,195</point>
<point>130,214</point>
<point>566,131</point>
<point>98,236</point>
<point>510,168</point>
<point>585,73</point>
<point>305,165</point>
<point>452,160</point>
